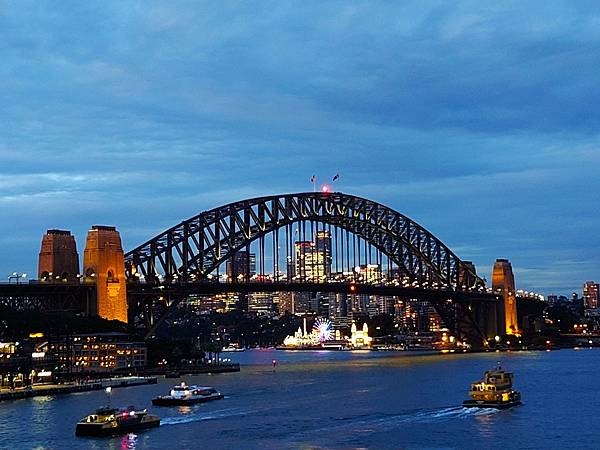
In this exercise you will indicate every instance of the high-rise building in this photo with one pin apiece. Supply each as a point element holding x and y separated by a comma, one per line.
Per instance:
<point>301,302</point>
<point>385,304</point>
<point>416,315</point>
<point>323,244</point>
<point>369,273</point>
<point>320,303</point>
<point>313,259</point>
<point>286,302</point>
<point>262,302</point>
<point>241,264</point>
<point>590,295</point>
<point>338,309</point>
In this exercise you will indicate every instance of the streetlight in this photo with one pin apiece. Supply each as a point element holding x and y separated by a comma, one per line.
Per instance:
<point>16,276</point>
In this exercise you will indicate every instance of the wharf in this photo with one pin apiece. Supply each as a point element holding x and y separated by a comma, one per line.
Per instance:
<point>68,388</point>
<point>190,370</point>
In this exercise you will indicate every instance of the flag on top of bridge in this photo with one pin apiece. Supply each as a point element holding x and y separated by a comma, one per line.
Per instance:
<point>337,176</point>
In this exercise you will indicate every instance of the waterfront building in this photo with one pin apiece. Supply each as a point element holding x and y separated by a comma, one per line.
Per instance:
<point>360,338</point>
<point>97,352</point>
<point>21,363</point>
<point>14,365</point>
<point>590,295</point>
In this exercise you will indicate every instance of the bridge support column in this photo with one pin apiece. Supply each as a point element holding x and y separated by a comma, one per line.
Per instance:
<point>503,282</point>
<point>104,265</point>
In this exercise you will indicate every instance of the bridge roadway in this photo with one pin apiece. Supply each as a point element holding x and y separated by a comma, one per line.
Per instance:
<point>207,288</point>
<point>49,296</point>
<point>75,296</point>
<point>468,320</point>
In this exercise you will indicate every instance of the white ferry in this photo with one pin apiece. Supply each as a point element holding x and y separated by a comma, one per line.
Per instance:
<point>183,394</point>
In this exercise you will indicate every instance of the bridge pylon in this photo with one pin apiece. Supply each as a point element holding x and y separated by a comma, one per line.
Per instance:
<point>503,282</point>
<point>58,260</point>
<point>104,265</point>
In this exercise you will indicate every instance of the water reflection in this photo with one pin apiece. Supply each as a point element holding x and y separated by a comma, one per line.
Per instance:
<point>183,409</point>
<point>129,442</point>
<point>485,423</point>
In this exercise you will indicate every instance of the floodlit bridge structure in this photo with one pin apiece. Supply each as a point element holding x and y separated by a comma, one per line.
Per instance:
<point>308,242</point>
<point>318,242</point>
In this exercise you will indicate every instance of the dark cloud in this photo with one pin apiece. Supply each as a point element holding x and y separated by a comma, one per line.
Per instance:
<point>478,120</point>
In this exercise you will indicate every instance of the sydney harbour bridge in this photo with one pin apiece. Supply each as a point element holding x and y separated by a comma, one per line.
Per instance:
<point>326,242</point>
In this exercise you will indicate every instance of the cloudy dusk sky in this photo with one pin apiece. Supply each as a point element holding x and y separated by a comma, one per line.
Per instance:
<point>479,120</point>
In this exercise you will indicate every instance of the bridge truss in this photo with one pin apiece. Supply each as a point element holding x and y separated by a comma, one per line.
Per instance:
<point>308,242</point>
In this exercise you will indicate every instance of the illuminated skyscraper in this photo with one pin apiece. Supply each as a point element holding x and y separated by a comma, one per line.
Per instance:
<point>313,259</point>
<point>590,295</point>
<point>323,242</point>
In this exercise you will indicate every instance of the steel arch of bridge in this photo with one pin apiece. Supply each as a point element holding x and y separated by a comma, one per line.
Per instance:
<point>193,249</point>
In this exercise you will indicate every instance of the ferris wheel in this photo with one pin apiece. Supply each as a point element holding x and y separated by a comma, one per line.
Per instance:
<point>323,328</point>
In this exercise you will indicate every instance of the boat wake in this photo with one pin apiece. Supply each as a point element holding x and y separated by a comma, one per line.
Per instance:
<point>378,422</point>
<point>455,412</point>
<point>432,415</point>
<point>212,415</point>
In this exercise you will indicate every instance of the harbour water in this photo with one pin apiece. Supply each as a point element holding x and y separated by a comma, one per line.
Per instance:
<point>341,400</point>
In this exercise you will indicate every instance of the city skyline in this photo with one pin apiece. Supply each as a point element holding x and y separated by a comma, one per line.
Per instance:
<point>476,121</point>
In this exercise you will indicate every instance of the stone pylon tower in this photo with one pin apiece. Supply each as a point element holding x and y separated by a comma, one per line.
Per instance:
<point>104,265</point>
<point>58,261</point>
<point>504,280</point>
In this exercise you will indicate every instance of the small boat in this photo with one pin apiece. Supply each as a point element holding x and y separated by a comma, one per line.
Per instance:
<point>493,391</point>
<point>109,421</point>
<point>232,348</point>
<point>183,394</point>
